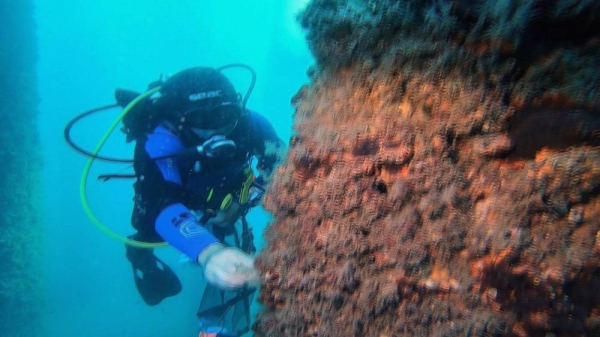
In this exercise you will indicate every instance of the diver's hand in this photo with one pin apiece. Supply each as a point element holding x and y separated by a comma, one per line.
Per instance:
<point>228,268</point>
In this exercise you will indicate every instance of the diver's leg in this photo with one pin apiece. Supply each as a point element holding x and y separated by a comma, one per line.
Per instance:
<point>154,279</point>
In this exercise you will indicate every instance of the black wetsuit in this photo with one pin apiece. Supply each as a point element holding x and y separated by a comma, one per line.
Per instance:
<point>167,190</point>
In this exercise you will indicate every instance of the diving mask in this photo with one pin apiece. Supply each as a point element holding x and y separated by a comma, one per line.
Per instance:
<point>215,118</point>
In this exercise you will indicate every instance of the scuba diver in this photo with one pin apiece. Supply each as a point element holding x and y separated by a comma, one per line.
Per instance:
<point>194,202</point>
<point>196,143</point>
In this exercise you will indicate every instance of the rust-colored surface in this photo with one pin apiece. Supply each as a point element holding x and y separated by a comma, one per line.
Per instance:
<point>442,181</point>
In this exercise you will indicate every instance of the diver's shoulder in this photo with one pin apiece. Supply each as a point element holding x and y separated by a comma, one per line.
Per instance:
<point>257,119</point>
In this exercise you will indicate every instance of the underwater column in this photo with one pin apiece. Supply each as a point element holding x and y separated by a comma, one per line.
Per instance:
<point>20,202</point>
<point>444,174</point>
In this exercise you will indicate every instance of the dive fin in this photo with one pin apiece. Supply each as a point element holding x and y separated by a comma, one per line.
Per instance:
<point>154,279</point>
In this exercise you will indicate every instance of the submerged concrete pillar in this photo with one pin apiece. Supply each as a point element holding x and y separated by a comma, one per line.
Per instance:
<point>444,176</point>
<point>20,221</point>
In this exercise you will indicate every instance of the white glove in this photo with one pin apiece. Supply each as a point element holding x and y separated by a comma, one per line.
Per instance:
<point>228,268</point>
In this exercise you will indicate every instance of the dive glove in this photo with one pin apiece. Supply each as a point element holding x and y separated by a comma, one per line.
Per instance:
<point>228,268</point>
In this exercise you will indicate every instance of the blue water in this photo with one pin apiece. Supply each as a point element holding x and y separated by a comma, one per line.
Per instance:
<point>86,50</point>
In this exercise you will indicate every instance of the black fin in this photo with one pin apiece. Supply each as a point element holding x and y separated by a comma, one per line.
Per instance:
<point>154,279</point>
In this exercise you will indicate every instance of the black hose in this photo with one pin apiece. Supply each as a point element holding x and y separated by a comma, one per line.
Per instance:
<point>67,131</point>
<point>252,82</point>
<point>67,134</point>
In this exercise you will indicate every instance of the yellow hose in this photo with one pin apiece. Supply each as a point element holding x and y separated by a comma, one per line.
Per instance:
<point>86,171</point>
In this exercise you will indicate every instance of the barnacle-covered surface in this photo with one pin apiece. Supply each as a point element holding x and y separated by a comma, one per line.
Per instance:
<point>444,176</point>
<point>20,219</point>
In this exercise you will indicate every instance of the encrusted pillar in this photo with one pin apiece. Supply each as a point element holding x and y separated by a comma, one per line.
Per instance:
<point>444,176</point>
<point>20,206</point>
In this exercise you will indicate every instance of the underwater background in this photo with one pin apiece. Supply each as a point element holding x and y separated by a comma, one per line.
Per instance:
<point>442,178</point>
<point>85,51</point>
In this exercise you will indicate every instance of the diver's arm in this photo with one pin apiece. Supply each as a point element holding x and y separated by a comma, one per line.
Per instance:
<point>179,227</point>
<point>226,267</point>
<point>163,191</point>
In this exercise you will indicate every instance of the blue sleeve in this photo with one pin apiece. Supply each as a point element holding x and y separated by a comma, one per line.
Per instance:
<point>175,223</point>
<point>179,227</point>
<point>161,143</point>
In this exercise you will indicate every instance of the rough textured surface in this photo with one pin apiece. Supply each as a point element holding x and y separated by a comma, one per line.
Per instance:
<point>444,177</point>
<point>20,223</point>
